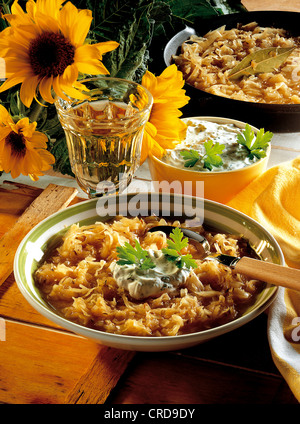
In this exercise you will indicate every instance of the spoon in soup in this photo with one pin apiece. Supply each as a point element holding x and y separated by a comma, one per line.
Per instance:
<point>254,268</point>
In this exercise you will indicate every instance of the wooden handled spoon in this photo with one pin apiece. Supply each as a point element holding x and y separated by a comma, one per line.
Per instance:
<point>254,268</point>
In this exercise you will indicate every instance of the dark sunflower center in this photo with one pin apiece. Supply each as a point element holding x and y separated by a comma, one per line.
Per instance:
<point>17,143</point>
<point>50,54</point>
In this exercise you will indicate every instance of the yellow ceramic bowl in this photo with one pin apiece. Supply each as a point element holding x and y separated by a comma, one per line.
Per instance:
<point>219,186</point>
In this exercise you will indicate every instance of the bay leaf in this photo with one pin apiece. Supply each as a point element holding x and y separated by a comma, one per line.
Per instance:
<point>264,60</point>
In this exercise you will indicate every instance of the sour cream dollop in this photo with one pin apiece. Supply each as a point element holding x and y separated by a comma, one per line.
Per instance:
<point>234,155</point>
<point>165,277</point>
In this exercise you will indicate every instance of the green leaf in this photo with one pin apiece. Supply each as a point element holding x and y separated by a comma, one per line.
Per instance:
<point>260,61</point>
<point>171,252</point>
<point>59,149</point>
<point>131,25</point>
<point>212,158</point>
<point>191,157</point>
<point>179,241</point>
<point>187,261</point>
<point>256,145</point>
<point>175,246</point>
<point>128,255</point>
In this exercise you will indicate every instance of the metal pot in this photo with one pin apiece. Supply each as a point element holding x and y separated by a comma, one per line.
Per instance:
<point>273,117</point>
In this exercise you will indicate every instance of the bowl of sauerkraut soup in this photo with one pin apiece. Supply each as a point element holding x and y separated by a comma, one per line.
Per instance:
<point>217,158</point>
<point>95,269</point>
<point>229,66</point>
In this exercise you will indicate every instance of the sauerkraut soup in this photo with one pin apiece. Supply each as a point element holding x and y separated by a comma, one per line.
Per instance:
<point>206,63</point>
<point>83,280</point>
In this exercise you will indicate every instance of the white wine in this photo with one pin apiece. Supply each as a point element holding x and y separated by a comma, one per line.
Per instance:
<point>104,132</point>
<point>104,142</point>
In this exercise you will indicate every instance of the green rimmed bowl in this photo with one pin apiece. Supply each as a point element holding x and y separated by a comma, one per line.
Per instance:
<point>218,216</point>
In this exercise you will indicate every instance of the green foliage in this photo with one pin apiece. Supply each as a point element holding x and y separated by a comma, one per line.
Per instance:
<point>130,24</point>
<point>210,158</point>
<point>258,145</point>
<point>175,246</point>
<point>191,157</point>
<point>128,255</point>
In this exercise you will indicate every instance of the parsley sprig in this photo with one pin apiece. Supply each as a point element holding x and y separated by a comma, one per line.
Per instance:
<point>128,255</point>
<point>256,146</point>
<point>210,158</point>
<point>175,246</point>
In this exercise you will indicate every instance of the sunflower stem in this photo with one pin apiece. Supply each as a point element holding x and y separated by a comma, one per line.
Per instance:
<point>35,113</point>
<point>5,8</point>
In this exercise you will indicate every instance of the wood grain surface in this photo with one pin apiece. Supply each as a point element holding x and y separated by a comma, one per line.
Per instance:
<point>52,199</point>
<point>41,363</point>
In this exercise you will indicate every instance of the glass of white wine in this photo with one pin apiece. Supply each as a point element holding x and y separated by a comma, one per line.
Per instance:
<point>104,133</point>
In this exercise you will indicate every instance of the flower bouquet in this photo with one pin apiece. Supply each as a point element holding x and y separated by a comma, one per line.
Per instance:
<point>48,46</point>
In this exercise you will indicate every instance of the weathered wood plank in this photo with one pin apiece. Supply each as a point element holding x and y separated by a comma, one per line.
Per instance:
<point>97,383</point>
<point>38,365</point>
<point>52,199</point>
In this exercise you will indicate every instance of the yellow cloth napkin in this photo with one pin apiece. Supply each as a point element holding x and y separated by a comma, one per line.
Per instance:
<point>273,199</point>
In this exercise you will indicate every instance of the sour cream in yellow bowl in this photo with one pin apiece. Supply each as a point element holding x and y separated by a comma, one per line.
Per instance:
<point>183,168</point>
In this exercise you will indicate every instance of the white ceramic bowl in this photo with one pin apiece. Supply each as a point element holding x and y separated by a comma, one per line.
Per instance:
<point>214,214</point>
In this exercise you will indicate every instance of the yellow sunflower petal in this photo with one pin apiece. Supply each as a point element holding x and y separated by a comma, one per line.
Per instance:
<point>45,87</point>
<point>4,131</point>
<point>5,117</point>
<point>73,92</point>
<point>57,89</point>
<point>39,140</point>
<point>24,126</point>
<point>86,52</point>
<point>45,23</point>
<point>33,161</point>
<point>70,74</point>
<point>47,159</point>
<point>106,46</point>
<point>66,27</point>
<point>30,9</point>
<point>87,58</point>
<point>168,97</point>
<point>6,159</point>
<point>167,86</point>
<point>28,89</point>
<point>29,155</point>
<point>14,167</point>
<point>149,82</point>
<point>11,82</point>
<point>17,16</point>
<point>49,8</point>
<point>75,24</point>
<point>149,143</point>
<point>93,68</point>
<point>2,145</point>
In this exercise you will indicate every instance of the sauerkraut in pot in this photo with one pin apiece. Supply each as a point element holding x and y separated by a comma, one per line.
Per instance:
<point>207,61</point>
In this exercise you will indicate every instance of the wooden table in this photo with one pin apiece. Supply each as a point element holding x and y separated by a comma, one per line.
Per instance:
<point>41,363</point>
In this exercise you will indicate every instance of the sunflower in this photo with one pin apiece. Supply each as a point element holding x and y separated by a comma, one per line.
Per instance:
<point>45,50</point>
<point>22,149</point>
<point>164,129</point>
